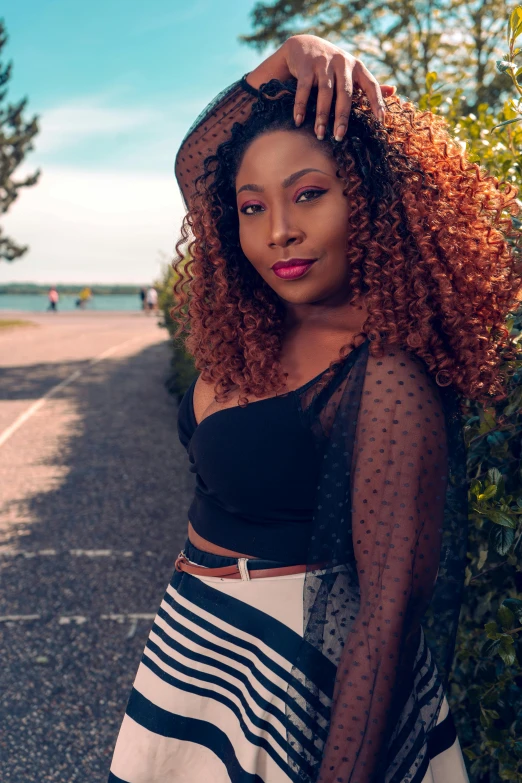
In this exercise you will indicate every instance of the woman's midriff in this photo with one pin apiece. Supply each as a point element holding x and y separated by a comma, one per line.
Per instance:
<point>207,546</point>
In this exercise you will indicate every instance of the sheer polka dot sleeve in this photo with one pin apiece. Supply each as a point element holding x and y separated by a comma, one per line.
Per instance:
<point>211,127</point>
<point>398,486</point>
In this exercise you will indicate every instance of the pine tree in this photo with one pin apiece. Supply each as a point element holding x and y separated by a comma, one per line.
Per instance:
<point>16,135</point>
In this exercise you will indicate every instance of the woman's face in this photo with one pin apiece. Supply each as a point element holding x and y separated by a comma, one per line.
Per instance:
<point>291,205</point>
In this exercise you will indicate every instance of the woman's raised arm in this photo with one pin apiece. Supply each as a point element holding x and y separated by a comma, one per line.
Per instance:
<point>312,61</point>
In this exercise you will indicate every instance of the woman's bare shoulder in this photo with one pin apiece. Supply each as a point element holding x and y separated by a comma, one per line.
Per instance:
<point>204,393</point>
<point>203,396</point>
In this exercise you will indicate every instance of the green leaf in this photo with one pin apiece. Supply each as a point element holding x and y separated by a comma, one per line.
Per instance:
<point>514,22</point>
<point>491,629</point>
<point>494,476</point>
<point>487,717</point>
<point>482,558</point>
<point>507,650</point>
<point>435,100</point>
<point>505,617</point>
<point>488,421</point>
<point>488,493</point>
<point>491,647</point>
<point>503,538</point>
<point>517,30</point>
<point>515,605</point>
<point>499,518</point>
<point>475,488</point>
<point>507,122</point>
<point>431,77</point>
<point>504,66</point>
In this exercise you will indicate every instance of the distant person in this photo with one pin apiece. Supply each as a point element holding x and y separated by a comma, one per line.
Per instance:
<point>84,296</point>
<point>152,300</point>
<point>53,297</point>
<point>143,296</point>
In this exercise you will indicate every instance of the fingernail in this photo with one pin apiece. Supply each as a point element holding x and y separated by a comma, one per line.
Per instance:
<point>299,119</point>
<point>340,131</point>
<point>320,132</point>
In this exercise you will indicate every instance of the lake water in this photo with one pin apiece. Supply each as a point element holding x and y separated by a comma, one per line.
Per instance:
<point>38,303</point>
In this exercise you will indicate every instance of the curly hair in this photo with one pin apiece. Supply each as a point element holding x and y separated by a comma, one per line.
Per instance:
<point>432,249</point>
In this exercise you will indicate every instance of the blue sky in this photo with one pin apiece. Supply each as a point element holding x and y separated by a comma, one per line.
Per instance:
<point>116,84</point>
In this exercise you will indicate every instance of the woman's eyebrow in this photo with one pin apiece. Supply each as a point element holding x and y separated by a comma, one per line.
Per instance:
<point>285,183</point>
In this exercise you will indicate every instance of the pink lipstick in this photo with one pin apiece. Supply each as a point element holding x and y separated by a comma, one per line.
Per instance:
<point>293,268</point>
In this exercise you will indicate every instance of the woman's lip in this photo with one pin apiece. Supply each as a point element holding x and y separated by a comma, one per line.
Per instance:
<point>291,272</point>
<point>294,262</point>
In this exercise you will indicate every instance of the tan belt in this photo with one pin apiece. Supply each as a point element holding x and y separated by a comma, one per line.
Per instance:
<point>238,570</point>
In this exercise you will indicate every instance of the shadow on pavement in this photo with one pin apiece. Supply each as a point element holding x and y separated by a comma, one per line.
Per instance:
<point>31,382</point>
<point>123,485</point>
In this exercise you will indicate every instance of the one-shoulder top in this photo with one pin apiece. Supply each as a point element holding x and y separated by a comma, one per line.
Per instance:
<point>257,470</point>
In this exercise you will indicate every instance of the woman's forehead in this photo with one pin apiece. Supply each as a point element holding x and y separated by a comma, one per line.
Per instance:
<point>277,154</point>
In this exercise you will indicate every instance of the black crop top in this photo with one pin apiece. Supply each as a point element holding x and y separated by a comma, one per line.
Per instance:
<point>257,470</point>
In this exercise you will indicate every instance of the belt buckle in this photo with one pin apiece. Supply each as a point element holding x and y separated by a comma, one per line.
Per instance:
<point>181,558</point>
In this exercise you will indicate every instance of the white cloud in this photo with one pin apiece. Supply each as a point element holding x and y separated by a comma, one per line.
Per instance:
<point>75,121</point>
<point>93,226</point>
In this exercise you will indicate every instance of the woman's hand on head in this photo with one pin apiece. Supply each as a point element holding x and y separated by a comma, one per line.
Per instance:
<point>314,61</point>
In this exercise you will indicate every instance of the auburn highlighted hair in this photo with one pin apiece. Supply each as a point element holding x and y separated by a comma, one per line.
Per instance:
<point>432,249</point>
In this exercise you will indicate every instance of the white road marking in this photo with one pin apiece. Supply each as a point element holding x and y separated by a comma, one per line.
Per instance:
<point>6,434</point>
<point>97,553</point>
<point>92,553</point>
<point>79,619</point>
<point>120,618</point>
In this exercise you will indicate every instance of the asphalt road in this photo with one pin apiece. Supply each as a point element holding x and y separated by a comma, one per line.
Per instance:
<point>94,492</point>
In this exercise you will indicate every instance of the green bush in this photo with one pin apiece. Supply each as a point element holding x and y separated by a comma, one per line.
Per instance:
<point>182,369</point>
<point>486,686</point>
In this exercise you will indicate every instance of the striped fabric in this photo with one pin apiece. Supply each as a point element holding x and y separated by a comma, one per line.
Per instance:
<point>211,700</point>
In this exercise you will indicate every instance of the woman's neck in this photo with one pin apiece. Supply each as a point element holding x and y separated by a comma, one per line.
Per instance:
<point>324,324</point>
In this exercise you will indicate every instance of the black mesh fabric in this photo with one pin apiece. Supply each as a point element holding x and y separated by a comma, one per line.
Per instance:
<point>211,127</point>
<point>391,523</point>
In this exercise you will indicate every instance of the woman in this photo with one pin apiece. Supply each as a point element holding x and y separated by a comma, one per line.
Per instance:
<point>343,296</point>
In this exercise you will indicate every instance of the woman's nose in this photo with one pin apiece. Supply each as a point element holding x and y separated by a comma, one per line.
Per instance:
<point>283,232</point>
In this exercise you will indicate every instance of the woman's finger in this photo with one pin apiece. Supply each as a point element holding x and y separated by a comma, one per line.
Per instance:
<point>343,99</point>
<point>305,82</point>
<point>325,91</point>
<point>371,87</point>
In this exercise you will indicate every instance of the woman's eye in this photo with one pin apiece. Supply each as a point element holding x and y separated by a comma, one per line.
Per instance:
<point>314,192</point>
<point>249,206</point>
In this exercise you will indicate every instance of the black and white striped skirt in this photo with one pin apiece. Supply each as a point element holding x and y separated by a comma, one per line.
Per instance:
<point>211,701</point>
